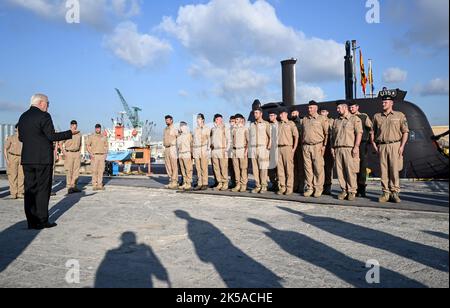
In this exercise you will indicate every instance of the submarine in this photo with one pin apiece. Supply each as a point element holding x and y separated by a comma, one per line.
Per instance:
<point>423,157</point>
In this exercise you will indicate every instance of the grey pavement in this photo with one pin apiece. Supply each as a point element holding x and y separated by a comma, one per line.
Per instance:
<point>134,236</point>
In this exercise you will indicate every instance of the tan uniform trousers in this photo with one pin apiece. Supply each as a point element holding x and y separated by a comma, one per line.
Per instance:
<point>72,165</point>
<point>201,164</point>
<point>220,166</point>
<point>259,172</point>
<point>314,167</point>
<point>286,167</point>
<point>186,170</point>
<point>15,176</point>
<point>347,168</point>
<point>241,171</point>
<point>391,164</point>
<point>171,163</point>
<point>98,168</point>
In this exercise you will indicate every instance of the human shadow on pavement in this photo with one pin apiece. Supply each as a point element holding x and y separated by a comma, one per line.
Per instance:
<point>350,270</point>
<point>429,256</point>
<point>237,269</point>
<point>16,238</point>
<point>131,265</point>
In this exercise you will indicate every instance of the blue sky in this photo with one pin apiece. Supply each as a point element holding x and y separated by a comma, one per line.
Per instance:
<point>185,57</point>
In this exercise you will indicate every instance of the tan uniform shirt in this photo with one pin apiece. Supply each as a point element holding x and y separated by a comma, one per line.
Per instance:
<point>73,145</point>
<point>367,126</point>
<point>389,128</point>
<point>345,130</point>
<point>315,129</point>
<point>201,142</point>
<point>184,145</point>
<point>98,144</point>
<point>240,139</point>
<point>260,134</point>
<point>220,141</point>
<point>13,145</point>
<point>170,136</point>
<point>287,133</point>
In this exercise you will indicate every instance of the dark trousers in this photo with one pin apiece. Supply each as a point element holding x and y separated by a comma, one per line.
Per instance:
<point>38,186</point>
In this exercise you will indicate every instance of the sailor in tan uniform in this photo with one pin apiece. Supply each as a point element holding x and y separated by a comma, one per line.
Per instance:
<point>347,133</point>
<point>12,153</point>
<point>260,145</point>
<point>287,146</point>
<point>220,145</point>
<point>72,159</point>
<point>240,140</point>
<point>97,146</point>
<point>273,172</point>
<point>389,138</point>
<point>329,159</point>
<point>315,136</point>
<point>184,146</point>
<point>364,148</point>
<point>201,149</point>
<point>170,152</point>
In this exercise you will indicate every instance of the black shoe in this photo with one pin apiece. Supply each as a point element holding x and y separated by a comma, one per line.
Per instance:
<point>198,188</point>
<point>327,190</point>
<point>47,225</point>
<point>205,187</point>
<point>361,192</point>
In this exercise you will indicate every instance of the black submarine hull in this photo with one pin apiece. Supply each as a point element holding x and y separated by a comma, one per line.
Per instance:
<point>422,158</point>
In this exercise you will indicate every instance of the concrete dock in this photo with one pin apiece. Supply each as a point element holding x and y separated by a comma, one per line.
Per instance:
<point>136,234</point>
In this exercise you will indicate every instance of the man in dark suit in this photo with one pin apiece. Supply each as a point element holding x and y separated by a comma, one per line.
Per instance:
<point>37,133</point>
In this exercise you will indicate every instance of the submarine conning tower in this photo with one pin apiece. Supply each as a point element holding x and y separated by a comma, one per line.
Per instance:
<point>289,82</point>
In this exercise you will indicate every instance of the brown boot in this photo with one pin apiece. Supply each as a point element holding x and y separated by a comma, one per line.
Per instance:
<point>396,198</point>
<point>384,198</point>
<point>317,194</point>
<point>173,185</point>
<point>308,193</point>
<point>281,191</point>
<point>342,196</point>
<point>256,190</point>
<point>289,192</point>
<point>236,189</point>
<point>351,197</point>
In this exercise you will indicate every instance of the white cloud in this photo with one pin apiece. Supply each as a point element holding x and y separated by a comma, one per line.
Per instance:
<point>183,93</point>
<point>11,107</point>
<point>138,49</point>
<point>45,8</point>
<point>242,39</point>
<point>394,75</point>
<point>435,87</point>
<point>307,93</point>
<point>127,8</point>
<point>427,23</point>
<point>97,13</point>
